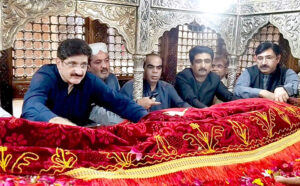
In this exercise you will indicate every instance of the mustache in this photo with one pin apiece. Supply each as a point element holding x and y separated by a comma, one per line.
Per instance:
<point>104,70</point>
<point>77,75</point>
<point>264,66</point>
<point>202,69</point>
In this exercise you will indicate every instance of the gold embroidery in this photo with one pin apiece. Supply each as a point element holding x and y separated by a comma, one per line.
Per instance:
<point>4,160</point>
<point>216,132</point>
<point>293,110</point>
<point>164,147</point>
<point>187,163</point>
<point>266,122</point>
<point>241,130</point>
<point>122,160</point>
<point>283,116</point>
<point>60,162</point>
<point>26,157</point>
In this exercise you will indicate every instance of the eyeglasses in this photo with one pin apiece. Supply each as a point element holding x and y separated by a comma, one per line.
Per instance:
<point>219,66</point>
<point>267,58</point>
<point>73,64</point>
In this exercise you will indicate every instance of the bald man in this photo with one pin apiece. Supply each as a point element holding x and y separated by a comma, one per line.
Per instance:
<point>164,93</point>
<point>99,65</point>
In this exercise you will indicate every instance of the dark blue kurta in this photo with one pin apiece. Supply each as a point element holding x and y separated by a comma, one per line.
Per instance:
<point>48,97</point>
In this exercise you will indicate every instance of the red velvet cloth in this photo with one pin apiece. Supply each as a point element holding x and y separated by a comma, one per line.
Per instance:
<point>243,125</point>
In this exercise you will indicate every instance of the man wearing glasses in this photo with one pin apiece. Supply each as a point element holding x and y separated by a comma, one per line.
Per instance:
<point>198,85</point>
<point>63,93</point>
<point>220,67</point>
<point>268,79</point>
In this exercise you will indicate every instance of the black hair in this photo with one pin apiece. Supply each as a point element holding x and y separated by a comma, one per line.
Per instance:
<point>150,55</point>
<point>222,58</point>
<point>268,45</point>
<point>199,50</point>
<point>73,47</point>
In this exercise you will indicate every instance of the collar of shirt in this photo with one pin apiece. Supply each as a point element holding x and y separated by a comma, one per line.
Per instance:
<point>147,90</point>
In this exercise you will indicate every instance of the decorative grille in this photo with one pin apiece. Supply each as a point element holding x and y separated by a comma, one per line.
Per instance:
<point>190,36</point>
<point>36,44</point>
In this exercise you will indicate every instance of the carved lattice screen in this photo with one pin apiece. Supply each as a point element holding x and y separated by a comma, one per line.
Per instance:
<point>267,33</point>
<point>121,62</point>
<point>37,43</point>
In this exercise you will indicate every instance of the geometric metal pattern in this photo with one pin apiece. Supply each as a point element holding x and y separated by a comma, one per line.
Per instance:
<point>36,44</point>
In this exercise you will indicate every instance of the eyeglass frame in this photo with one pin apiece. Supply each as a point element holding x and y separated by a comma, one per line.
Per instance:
<point>267,58</point>
<point>73,64</point>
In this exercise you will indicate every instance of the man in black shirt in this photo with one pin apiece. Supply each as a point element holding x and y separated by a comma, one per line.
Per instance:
<point>198,85</point>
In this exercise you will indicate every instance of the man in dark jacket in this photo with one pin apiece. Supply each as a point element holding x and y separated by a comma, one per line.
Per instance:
<point>198,85</point>
<point>268,79</point>
<point>63,92</point>
<point>166,95</point>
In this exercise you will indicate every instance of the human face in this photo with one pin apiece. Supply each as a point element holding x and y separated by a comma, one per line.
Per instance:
<point>100,65</point>
<point>153,69</point>
<point>218,66</point>
<point>73,69</point>
<point>201,66</point>
<point>267,61</point>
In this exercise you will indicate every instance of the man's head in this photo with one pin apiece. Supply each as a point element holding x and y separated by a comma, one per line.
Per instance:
<point>73,57</point>
<point>99,64</point>
<point>201,60</point>
<point>267,56</point>
<point>152,68</point>
<point>219,66</point>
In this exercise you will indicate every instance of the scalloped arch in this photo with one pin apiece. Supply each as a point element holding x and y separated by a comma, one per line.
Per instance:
<point>160,23</point>
<point>289,32</point>
<point>19,15</point>
<point>123,19</point>
<point>249,27</point>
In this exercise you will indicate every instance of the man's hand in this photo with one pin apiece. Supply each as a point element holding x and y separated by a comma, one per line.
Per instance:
<point>61,120</point>
<point>281,95</point>
<point>288,181</point>
<point>267,94</point>
<point>146,102</point>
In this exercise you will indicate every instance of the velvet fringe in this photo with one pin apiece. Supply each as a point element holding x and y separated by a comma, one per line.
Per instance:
<point>213,175</point>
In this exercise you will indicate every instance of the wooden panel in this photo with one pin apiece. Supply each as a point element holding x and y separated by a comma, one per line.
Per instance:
<point>168,52</point>
<point>6,80</point>
<point>20,88</point>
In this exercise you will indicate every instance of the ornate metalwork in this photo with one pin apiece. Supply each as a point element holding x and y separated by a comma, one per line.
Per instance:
<point>16,13</point>
<point>138,76</point>
<point>186,5</point>
<point>124,2</point>
<point>123,18</point>
<point>232,69</point>
<point>249,26</point>
<point>160,21</point>
<point>143,26</point>
<point>142,23</point>
<point>268,6</point>
<point>288,25</point>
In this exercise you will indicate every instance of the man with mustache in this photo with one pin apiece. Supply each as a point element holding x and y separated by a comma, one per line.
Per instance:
<point>164,95</point>
<point>63,92</point>
<point>268,79</point>
<point>198,85</point>
<point>99,65</point>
